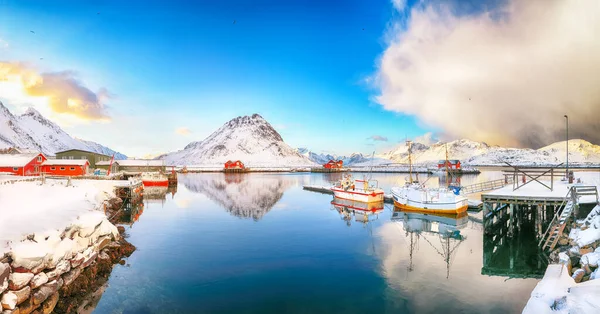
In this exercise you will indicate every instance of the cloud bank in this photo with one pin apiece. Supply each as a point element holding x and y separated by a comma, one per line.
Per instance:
<point>506,75</point>
<point>378,138</point>
<point>65,93</point>
<point>183,131</point>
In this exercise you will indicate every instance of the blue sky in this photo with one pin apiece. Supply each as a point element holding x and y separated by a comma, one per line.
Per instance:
<point>303,65</point>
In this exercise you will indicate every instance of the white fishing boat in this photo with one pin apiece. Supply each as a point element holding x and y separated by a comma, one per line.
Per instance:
<point>366,191</point>
<point>414,196</point>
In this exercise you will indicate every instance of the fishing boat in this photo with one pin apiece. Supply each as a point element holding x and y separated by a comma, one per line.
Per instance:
<point>414,196</point>
<point>154,179</point>
<point>366,191</point>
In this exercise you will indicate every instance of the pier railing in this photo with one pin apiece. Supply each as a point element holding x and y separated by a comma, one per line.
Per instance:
<point>487,186</point>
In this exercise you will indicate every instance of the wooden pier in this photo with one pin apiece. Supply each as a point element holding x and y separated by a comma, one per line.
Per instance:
<point>329,170</point>
<point>236,170</point>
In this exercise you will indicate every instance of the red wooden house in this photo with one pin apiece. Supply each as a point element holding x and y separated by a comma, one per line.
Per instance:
<point>66,167</point>
<point>22,164</point>
<point>452,164</point>
<point>234,165</point>
<point>332,164</point>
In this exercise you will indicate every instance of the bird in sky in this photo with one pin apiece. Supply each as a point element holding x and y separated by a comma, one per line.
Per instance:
<point>41,58</point>
<point>233,21</point>
<point>32,32</point>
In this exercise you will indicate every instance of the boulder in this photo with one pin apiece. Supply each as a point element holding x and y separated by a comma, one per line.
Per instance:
<point>44,292</point>
<point>17,281</point>
<point>595,275</point>
<point>49,304</point>
<point>62,267</point>
<point>80,244</point>
<point>38,280</point>
<point>103,242</point>
<point>27,307</point>
<point>578,275</point>
<point>29,256</point>
<point>89,259</point>
<point>563,241</point>
<point>9,300</point>
<point>585,250</point>
<point>77,260</point>
<point>4,274</point>
<point>63,250</point>
<point>590,259</point>
<point>71,276</point>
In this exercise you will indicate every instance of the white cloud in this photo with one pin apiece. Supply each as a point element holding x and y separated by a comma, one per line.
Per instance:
<point>426,139</point>
<point>505,76</point>
<point>183,131</point>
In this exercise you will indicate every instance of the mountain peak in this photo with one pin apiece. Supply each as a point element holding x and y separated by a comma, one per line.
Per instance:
<point>32,112</point>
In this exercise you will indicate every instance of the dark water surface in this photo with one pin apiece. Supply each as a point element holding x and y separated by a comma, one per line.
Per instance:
<point>258,243</point>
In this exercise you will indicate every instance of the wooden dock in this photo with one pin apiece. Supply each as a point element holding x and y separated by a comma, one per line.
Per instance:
<point>237,170</point>
<point>329,170</point>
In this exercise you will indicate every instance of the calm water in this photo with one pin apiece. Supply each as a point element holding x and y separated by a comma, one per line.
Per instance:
<point>258,243</point>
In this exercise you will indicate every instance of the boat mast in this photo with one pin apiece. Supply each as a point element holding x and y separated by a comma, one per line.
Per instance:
<point>409,144</point>
<point>446,164</point>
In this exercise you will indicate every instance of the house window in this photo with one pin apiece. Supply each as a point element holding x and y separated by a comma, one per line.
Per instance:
<point>62,168</point>
<point>39,158</point>
<point>71,157</point>
<point>52,168</point>
<point>72,168</point>
<point>15,168</point>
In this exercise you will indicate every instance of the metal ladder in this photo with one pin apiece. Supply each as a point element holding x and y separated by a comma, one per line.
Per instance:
<point>559,221</point>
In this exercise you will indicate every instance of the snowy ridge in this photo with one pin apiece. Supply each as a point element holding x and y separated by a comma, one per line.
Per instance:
<point>355,159</point>
<point>250,139</point>
<point>481,154</point>
<point>33,131</point>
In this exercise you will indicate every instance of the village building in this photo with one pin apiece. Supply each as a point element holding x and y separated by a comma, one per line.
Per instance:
<point>66,167</point>
<point>234,165</point>
<point>452,164</point>
<point>133,165</point>
<point>92,157</point>
<point>22,164</point>
<point>332,164</point>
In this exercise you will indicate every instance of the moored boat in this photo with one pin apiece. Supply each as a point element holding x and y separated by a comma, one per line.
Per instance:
<point>154,179</point>
<point>415,197</point>
<point>358,190</point>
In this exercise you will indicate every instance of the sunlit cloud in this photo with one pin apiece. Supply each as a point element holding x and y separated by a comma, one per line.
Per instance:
<point>505,76</point>
<point>63,91</point>
<point>378,138</point>
<point>183,131</point>
<point>426,139</point>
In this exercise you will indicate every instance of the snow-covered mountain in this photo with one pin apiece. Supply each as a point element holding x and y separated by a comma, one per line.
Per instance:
<point>250,139</point>
<point>355,159</point>
<point>479,153</point>
<point>32,130</point>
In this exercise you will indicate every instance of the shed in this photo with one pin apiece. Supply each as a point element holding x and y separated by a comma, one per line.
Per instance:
<point>452,164</point>
<point>134,165</point>
<point>66,167</point>
<point>22,164</point>
<point>332,164</point>
<point>234,165</point>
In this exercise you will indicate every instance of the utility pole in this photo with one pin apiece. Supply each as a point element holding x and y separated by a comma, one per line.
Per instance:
<point>567,119</point>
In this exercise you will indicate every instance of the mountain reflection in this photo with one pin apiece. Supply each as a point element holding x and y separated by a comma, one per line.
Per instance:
<point>242,195</point>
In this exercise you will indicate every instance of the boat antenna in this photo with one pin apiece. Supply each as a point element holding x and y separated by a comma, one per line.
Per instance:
<point>409,144</point>
<point>371,171</point>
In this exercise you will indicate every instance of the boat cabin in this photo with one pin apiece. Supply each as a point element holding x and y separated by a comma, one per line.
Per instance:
<point>332,164</point>
<point>452,164</point>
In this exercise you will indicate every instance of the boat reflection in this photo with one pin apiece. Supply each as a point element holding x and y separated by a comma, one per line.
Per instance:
<point>446,228</point>
<point>243,195</point>
<point>357,211</point>
<point>158,194</point>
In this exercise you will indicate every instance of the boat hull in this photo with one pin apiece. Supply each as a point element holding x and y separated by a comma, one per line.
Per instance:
<point>155,183</point>
<point>358,196</point>
<point>449,208</point>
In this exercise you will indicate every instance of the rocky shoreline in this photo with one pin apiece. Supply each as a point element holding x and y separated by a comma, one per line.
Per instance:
<point>56,271</point>
<point>569,284</point>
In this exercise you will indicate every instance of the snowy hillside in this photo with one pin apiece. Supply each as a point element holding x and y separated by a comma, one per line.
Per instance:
<point>355,159</point>
<point>250,139</point>
<point>32,130</point>
<point>479,153</point>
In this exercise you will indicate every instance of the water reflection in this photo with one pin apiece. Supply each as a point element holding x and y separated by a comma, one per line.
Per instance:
<point>357,211</point>
<point>429,227</point>
<point>242,195</point>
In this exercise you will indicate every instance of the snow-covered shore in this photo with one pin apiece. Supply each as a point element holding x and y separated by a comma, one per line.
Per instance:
<point>50,233</point>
